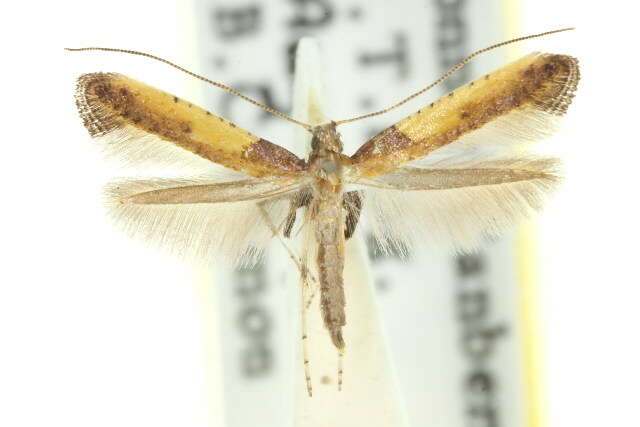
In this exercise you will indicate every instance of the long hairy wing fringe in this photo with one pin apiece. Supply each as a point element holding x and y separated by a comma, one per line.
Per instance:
<point>129,147</point>
<point>458,218</point>
<point>234,232</point>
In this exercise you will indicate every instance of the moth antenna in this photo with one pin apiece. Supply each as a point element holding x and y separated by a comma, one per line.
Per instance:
<point>451,71</point>
<point>199,77</point>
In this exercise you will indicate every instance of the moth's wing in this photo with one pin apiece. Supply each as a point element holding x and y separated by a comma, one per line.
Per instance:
<point>517,103</point>
<point>458,170</point>
<point>456,205</point>
<point>144,126</point>
<point>203,220</point>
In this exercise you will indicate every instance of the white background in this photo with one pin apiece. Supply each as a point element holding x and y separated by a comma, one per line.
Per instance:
<point>81,346</point>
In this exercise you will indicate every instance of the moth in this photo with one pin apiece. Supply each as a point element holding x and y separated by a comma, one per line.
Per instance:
<point>453,172</point>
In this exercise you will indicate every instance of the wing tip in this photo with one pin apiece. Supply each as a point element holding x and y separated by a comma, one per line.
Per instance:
<point>95,117</point>
<point>560,89</point>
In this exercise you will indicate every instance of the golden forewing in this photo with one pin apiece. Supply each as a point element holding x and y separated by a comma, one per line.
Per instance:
<point>139,119</point>
<point>519,100</point>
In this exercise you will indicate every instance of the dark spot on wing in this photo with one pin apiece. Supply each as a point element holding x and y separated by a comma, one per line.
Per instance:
<point>274,156</point>
<point>390,140</point>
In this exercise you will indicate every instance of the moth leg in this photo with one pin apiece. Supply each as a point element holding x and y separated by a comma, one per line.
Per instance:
<point>340,368</point>
<point>301,199</point>
<point>302,266</point>
<point>304,285</point>
<point>310,299</point>
<point>289,221</point>
<point>303,269</point>
<point>352,203</point>
<point>305,278</point>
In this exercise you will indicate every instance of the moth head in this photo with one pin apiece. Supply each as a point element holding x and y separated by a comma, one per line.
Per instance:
<point>326,138</point>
